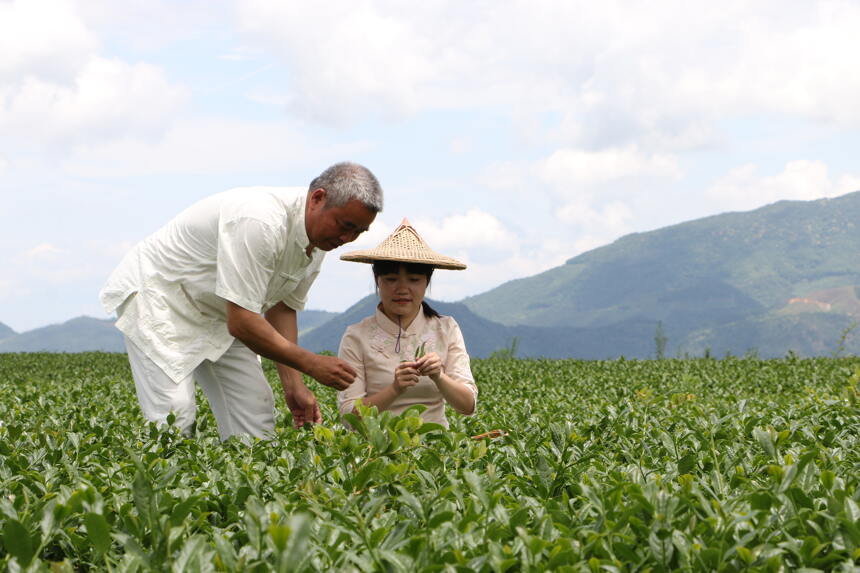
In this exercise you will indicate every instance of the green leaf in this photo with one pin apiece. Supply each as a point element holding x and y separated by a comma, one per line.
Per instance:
<point>746,555</point>
<point>225,551</point>
<point>411,502</point>
<point>142,493</point>
<point>439,518</point>
<point>279,534</point>
<point>687,463</point>
<point>98,532</point>
<point>765,440</point>
<point>429,427</point>
<point>17,541</point>
<point>182,509</point>
<point>761,500</point>
<point>297,548</point>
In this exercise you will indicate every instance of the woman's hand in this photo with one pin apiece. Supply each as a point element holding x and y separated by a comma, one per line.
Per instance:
<point>405,376</point>
<point>430,365</point>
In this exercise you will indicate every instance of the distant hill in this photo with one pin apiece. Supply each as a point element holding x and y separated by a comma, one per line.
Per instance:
<point>782,277</point>
<point>76,335</point>
<point>5,331</point>
<point>85,333</point>
<point>483,337</point>
<point>310,319</point>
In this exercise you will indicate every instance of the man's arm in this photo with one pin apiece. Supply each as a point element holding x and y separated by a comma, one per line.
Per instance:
<point>262,337</point>
<point>301,401</point>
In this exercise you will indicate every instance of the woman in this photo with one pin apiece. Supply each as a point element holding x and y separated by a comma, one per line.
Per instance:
<point>406,353</point>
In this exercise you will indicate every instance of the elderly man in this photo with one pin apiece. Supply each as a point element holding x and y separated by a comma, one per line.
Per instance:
<point>221,283</point>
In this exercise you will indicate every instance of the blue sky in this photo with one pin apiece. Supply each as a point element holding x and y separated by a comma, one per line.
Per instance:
<point>514,135</point>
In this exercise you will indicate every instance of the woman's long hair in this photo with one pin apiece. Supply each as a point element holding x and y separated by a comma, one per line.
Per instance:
<point>393,267</point>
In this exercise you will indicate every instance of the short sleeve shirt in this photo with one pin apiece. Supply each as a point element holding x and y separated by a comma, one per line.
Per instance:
<point>370,347</point>
<point>247,246</point>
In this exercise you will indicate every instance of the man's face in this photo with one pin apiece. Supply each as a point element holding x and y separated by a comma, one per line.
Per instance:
<point>330,227</point>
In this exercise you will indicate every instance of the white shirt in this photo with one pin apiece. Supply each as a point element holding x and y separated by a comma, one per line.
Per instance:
<point>370,347</point>
<point>246,245</point>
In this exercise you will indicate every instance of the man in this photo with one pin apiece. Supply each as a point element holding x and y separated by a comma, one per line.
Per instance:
<point>221,283</point>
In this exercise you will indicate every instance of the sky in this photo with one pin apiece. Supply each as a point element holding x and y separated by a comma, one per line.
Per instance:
<point>514,135</point>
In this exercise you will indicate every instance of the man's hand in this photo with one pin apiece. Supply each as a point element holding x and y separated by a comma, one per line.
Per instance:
<point>303,405</point>
<point>331,371</point>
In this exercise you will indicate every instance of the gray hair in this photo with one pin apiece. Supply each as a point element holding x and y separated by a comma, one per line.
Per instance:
<point>346,181</point>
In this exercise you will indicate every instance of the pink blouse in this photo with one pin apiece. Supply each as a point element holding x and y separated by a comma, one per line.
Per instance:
<point>369,347</point>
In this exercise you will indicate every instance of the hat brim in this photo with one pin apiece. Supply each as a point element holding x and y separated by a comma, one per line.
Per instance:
<point>369,257</point>
<point>404,245</point>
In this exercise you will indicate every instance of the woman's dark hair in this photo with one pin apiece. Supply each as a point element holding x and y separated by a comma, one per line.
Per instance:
<point>393,267</point>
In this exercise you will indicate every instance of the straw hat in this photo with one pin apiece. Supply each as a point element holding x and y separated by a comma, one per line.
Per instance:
<point>404,245</point>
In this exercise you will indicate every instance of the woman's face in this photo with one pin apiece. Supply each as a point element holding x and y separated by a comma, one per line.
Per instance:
<point>401,293</point>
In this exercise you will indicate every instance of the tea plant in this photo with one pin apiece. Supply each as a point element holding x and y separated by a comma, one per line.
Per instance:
<point>717,465</point>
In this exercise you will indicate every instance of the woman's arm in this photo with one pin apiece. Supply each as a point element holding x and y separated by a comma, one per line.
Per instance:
<point>459,395</point>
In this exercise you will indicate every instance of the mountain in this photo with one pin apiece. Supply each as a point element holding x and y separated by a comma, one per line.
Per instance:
<point>85,333</point>
<point>310,319</point>
<point>782,277</point>
<point>76,335</point>
<point>483,337</point>
<point>5,331</point>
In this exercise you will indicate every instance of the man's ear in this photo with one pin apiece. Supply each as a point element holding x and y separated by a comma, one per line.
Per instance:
<point>317,197</point>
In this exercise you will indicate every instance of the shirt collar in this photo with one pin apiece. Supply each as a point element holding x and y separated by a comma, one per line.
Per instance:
<point>301,232</point>
<point>391,328</point>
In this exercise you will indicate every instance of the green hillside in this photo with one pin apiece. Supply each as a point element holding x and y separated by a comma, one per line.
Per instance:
<point>720,282</point>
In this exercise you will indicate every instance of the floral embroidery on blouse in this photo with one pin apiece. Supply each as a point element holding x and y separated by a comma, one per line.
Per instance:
<point>379,341</point>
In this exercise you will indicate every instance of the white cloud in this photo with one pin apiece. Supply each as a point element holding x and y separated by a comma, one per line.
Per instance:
<point>506,175</point>
<point>203,146</point>
<point>42,38</point>
<point>521,259</point>
<point>56,88</point>
<point>108,99</point>
<point>613,218</point>
<point>742,187</point>
<point>460,145</point>
<point>152,25</point>
<point>6,289</point>
<point>570,172</point>
<point>41,252</point>
<point>567,167</point>
<point>615,72</point>
<point>472,229</point>
<point>584,187</point>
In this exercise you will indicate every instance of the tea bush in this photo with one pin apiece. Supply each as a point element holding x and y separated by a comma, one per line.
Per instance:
<point>699,464</point>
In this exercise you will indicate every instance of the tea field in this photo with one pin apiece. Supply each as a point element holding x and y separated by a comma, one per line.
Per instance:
<point>665,465</point>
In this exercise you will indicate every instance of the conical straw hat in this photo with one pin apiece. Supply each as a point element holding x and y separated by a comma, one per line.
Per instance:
<point>404,245</point>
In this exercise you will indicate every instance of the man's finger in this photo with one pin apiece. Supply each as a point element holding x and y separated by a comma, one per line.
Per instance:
<point>349,369</point>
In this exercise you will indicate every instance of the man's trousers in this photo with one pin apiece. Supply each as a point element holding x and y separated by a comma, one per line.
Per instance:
<point>238,392</point>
